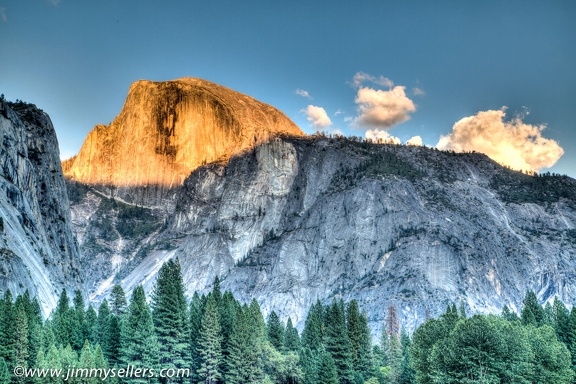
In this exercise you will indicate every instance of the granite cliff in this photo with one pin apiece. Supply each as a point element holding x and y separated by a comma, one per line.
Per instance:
<point>282,217</point>
<point>38,250</point>
<point>298,219</point>
<point>166,130</point>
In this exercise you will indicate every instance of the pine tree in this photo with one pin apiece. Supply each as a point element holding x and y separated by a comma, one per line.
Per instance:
<point>108,333</point>
<point>209,348</point>
<point>450,317</point>
<point>50,360</point>
<point>139,342</point>
<point>360,341</point>
<point>395,358</point>
<point>118,301</point>
<point>275,331</point>
<point>227,311</point>
<point>394,352</point>
<point>508,314</point>
<point>337,341</point>
<point>7,329</point>
<point>257,327</point>
<point>78,321</point>
<point>353,322</point>
<point>407,375</point>
<point>114,346</point>
<point>68,357</point>
<point>561,320</point>
<point>291,337</point>
<point>5,375</point>
<point>309,362</point>
<point>216,292</point>
<point>384,346</point>
<point>327,370</point>
<point>62,321</point>
<point>99,359</point>
<point>572,337</point>
<point>194,325</point>
<point>170,315</point>
<point>48,338</point>
<point>91,323</point>
<point>241,343</point>
<point>87,361</point>
<point>34,316</point>
<point>462,309</point>
<point>532,311</point>
<point>313,333</point>
<point>366,358</point>
<point>101,331</point>
<point>20,340</point>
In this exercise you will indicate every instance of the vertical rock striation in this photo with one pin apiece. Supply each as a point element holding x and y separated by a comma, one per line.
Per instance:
<point>166,130</point>
<point>38,250</point>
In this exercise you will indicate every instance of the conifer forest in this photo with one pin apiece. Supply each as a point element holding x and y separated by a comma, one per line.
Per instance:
<point>214,338</point>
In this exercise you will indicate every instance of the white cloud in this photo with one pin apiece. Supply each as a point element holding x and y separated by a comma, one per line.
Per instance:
<point>317,116</point>
<point>513,143</point>
<point>303,93</point>
<point>361,77</point>
<point>416,141</point>
<point>418,92</point>
<point>383,109</point>
<point>382,137</point>
<point>338,112</point>
<point>3,15</point>
<point>54,2</point>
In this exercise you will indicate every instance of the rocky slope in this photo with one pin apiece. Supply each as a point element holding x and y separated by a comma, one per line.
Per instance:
<point>166,130</point>
<point>38,250</point>
<point>298,219</point>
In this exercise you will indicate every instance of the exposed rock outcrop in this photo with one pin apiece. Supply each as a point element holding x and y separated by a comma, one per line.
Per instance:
<point>166,130</point>
<point>38,250</point>
<point>300,219</point>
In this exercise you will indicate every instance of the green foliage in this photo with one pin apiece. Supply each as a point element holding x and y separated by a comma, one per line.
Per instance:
<point>291,338</point>
<point>335,346</point>
<point>488,349</point>
<point>327,370</point>
<point>139,340</point>
<point>337,341</point>
<point>360,341</point>
<point>532,311</point>
<point>209,347</point>
<point>519,188</point>
<point>170,315</point>
<point>62,322</point>
<point>20,356</point>
<point>275,331</point>
<point>313,333</point>
<point>194,324</point>
<point>118,301</point>
<point>5,375</point>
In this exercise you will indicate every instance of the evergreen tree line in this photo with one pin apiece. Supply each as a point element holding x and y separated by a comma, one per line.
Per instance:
<point>539,346</point>
<point>216,339</point>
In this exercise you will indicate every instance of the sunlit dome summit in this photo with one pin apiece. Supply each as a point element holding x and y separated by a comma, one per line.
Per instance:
<point>167,129</point>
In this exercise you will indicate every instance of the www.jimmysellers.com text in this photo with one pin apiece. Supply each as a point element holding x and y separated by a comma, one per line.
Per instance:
<point>130,372</point>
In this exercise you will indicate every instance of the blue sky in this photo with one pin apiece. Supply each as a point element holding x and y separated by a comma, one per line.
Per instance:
<point>403,68</point>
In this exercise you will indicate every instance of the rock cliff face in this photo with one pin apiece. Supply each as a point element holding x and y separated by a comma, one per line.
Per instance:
<point>290,220</point>
<point>166,130</point>
<point>300,219</point>
<point>38,250</point>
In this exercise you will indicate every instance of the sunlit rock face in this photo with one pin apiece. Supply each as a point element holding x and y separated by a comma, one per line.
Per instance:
<point>38,251</point>
<point>167,129</point>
